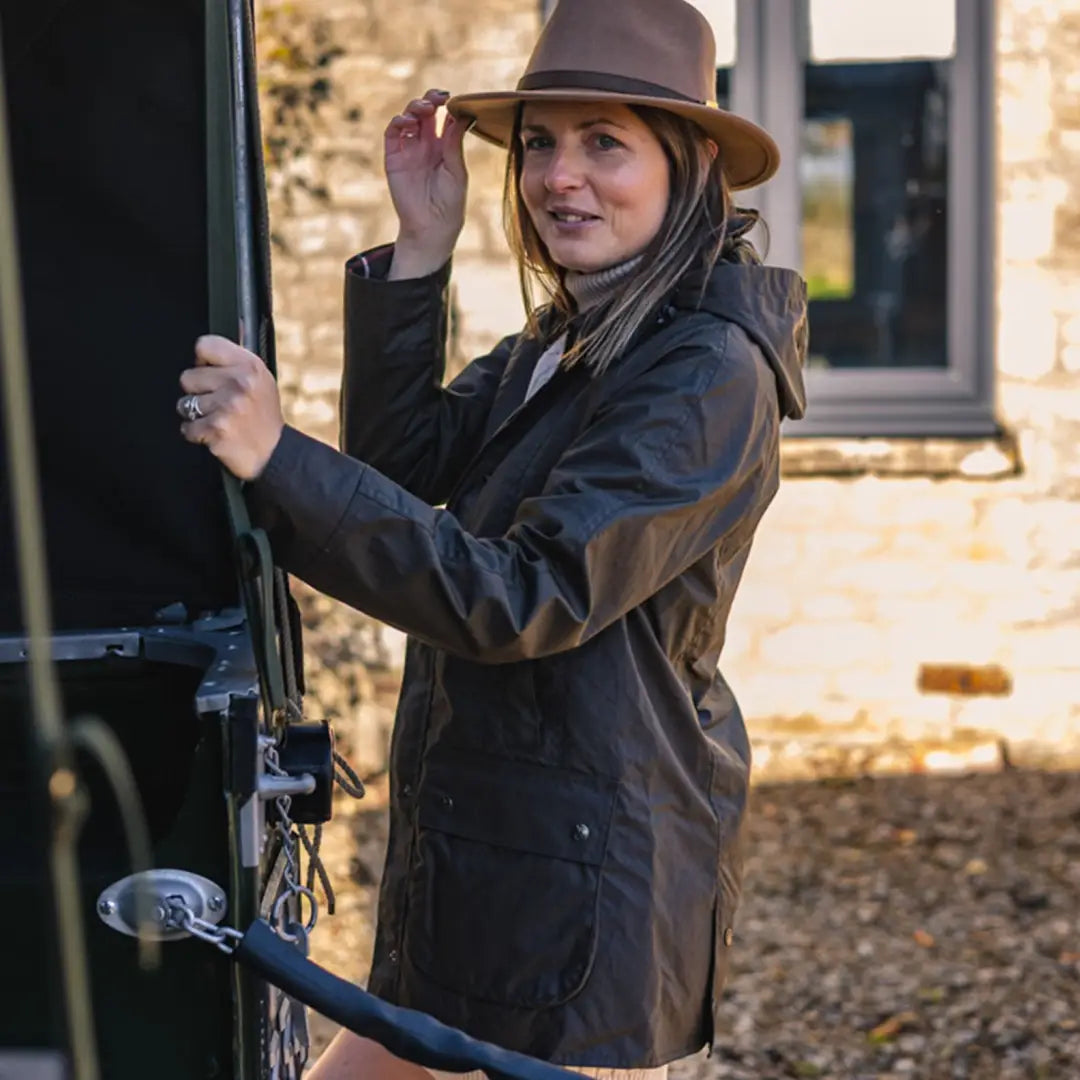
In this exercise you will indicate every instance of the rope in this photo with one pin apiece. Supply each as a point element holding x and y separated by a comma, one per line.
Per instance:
<point>316,866</point>
<point>346,778</point>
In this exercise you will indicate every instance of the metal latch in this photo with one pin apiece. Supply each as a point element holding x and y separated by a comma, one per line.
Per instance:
<point>167,900</point>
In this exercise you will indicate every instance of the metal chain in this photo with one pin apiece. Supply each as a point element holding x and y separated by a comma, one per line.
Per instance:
<point>294,890</point>
<point>181,916</point>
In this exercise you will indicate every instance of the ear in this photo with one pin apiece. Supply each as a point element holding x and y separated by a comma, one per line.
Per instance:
<point>712,148</point>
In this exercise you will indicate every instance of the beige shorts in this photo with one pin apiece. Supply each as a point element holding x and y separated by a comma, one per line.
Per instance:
<point>659,1073</point>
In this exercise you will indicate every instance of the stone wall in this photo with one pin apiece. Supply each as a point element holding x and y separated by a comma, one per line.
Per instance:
<point>332,75</point>
<point>886,622</point>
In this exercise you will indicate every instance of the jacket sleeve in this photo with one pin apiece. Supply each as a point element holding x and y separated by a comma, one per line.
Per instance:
<point>658,479</point>
<point>395,413</point>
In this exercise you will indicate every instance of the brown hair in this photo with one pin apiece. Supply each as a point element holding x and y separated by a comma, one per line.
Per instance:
<point>700,228</point>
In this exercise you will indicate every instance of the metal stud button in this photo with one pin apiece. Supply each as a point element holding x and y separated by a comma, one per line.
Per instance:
<point>729,936</point>
<point>447,802</point>
<point>581,832</point>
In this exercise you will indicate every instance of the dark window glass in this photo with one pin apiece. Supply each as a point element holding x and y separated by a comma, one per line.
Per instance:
<point>723,88</point>
<point>875,179</point>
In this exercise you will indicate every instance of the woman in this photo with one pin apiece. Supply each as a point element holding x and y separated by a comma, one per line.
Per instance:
<point>569,772</point>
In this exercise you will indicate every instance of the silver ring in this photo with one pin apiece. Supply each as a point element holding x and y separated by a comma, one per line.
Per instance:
<point>188,408</point>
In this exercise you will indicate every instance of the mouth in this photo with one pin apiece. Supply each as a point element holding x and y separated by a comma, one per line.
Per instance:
<point>571,217</point>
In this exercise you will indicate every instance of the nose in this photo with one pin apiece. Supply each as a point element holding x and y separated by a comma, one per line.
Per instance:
<point>564,171</point>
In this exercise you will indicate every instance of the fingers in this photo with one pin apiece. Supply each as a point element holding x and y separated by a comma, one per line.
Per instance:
<point>207,402</point>
<point>202,380</point>
<point>418,118</point>
<point>215,351</point>
<point>226,373</point>
<point>454,133</point>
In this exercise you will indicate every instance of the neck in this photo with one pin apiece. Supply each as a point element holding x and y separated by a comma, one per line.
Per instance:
<point>597,286</point>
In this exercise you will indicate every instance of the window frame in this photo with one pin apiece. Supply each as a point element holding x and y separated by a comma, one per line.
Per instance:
<point>958,400</point>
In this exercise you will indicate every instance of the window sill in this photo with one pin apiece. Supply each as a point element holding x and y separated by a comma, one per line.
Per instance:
<point>995,458</point>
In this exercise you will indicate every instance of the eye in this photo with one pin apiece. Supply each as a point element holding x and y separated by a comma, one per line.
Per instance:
<point>538,142</point>
<point>607,142</point>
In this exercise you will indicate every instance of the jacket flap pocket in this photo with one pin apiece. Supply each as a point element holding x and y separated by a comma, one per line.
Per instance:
<point>539,809</point>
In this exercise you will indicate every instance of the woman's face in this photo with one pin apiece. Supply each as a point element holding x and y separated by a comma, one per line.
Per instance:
<point>594,179</point>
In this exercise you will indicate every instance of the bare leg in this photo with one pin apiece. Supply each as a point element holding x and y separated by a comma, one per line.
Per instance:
<point>351,1057</point>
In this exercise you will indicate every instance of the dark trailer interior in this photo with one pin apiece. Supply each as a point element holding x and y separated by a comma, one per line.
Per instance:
<point>141,220</point>
<point>107,126</point>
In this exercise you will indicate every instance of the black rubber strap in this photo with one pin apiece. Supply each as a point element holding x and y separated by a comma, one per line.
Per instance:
<point>411,1035</point>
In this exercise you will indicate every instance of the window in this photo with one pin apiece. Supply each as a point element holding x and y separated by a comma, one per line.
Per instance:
<point>882,113</point>
<point>721,16</point>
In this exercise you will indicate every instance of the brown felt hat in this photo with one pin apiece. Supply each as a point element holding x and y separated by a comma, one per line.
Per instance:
<point>636,52</point>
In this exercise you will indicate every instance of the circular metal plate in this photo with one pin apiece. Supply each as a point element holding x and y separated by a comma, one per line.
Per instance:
<point>118,905</point>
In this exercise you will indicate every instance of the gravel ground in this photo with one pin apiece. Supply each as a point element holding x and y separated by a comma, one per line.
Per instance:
<point>919,927</point>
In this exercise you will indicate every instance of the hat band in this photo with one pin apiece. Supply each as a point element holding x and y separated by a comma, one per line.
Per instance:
<point>597,80</point>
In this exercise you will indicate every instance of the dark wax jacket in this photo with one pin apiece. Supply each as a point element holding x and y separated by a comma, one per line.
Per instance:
<point>568,769</point>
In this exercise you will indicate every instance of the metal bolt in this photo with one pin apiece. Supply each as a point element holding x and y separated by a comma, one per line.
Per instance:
<point>216,902</point>
<point>106,907</point>
<point>581,832</point>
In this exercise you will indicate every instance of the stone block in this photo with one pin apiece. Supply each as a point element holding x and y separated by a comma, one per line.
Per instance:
<point>1070,359</point>
<point>775,547</point>
<point>942,641</point>
<point>1046,647</point>
<point>885,577</point>
<point>1025,116</point>
<point>332,233</point>
<point>1041,709</point>
<point>829,606</point>
<point>823,647</point>
<point>911,715</point>
<point>1055,534</point>
<point>1027,221</point>
<point>763,603</point>
<point>1032,597</point>
<point>769,693</point>
<point>962,758</point>
<point>884,680</point>
<point>836,544</point>
<point>351,183</point>
<point>1005,527</point>
<point>488,298</point>
<point>1027,326</point>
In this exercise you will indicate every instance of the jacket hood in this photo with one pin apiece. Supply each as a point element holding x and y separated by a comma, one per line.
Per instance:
<point>769,303</point>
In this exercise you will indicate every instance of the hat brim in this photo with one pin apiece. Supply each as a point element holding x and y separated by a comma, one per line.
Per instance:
<point>748,152</point>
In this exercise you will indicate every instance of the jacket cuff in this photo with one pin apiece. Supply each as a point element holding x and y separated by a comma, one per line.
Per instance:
<point>373,263</point>
<point>397,317</point>
<point>301,496</point>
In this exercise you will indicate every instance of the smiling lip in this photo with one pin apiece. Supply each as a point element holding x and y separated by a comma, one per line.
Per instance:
<point>569,223</point>
<point>568,216</point>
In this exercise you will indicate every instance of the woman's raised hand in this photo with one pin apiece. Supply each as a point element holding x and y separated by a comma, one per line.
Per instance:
<point>428,181</point>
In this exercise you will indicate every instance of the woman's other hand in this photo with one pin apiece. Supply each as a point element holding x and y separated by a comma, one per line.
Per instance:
<point>236,411</point>
<point>428,181</point>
